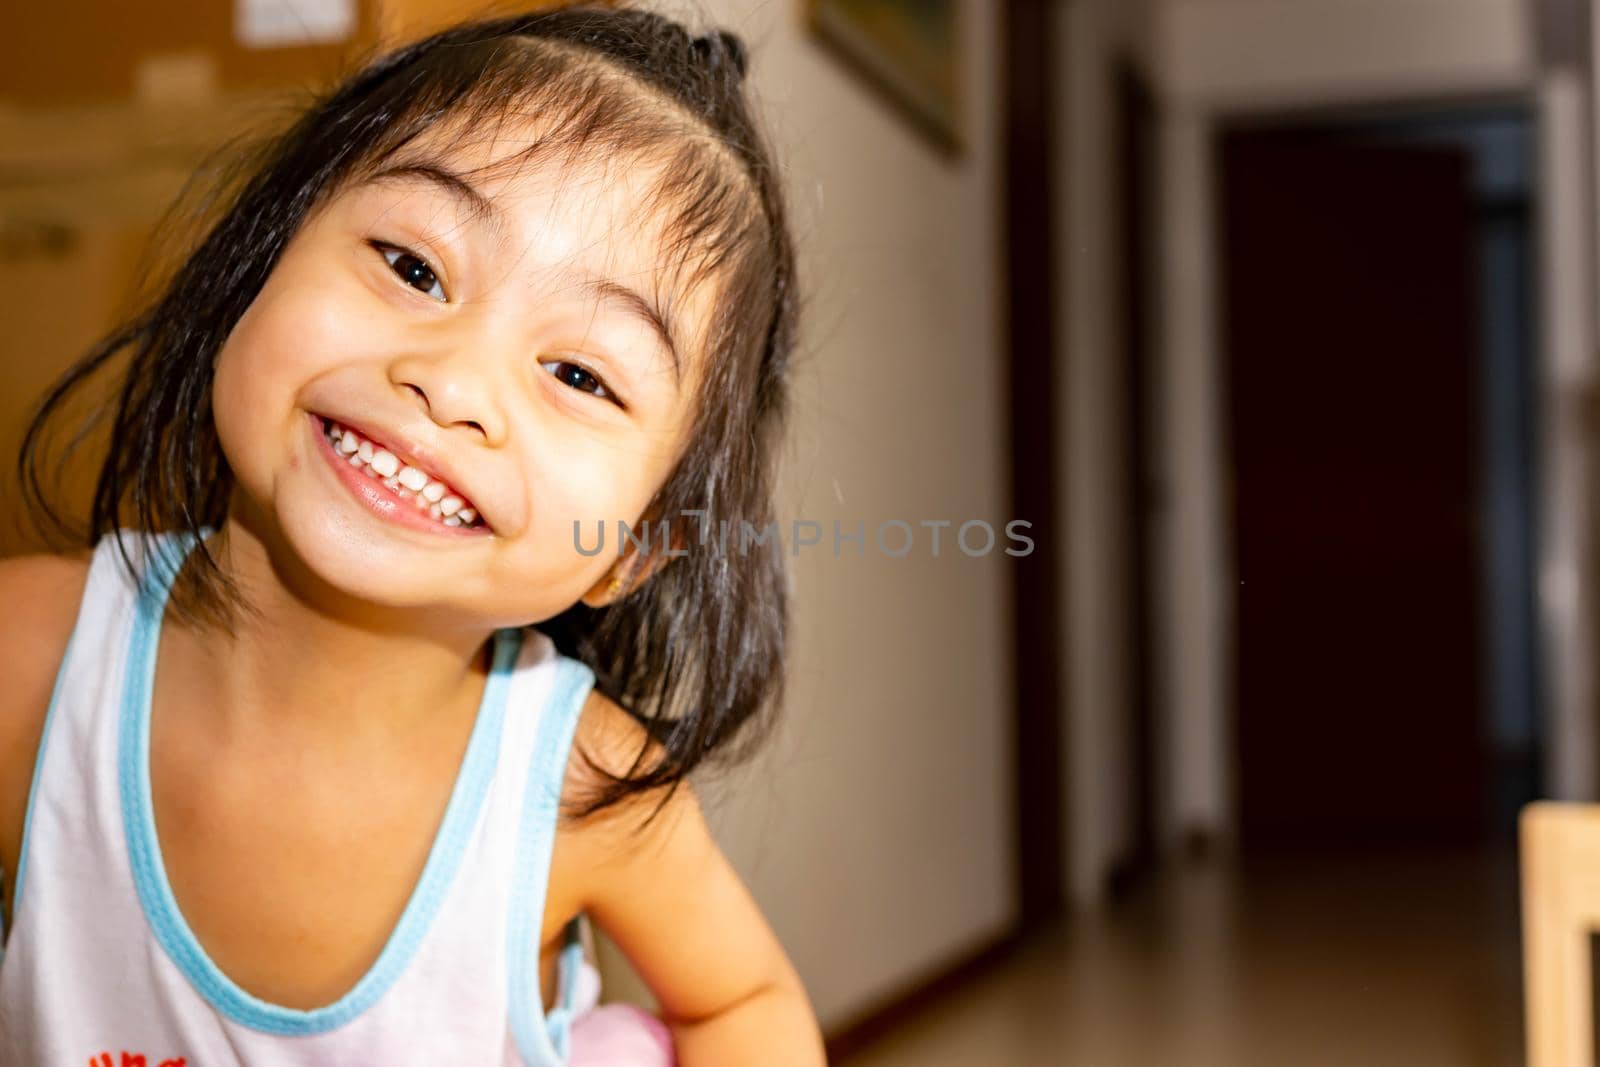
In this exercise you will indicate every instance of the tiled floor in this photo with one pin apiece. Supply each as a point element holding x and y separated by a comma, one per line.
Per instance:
<point>1406,960</point>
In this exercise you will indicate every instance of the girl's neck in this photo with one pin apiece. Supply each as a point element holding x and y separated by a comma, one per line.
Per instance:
<point>297,664</point>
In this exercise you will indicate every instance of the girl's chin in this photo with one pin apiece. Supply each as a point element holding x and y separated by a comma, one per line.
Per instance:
<point>350,560</point>
<point>344,555</point>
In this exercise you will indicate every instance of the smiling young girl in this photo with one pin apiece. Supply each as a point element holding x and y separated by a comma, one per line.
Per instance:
<point>327,743</point>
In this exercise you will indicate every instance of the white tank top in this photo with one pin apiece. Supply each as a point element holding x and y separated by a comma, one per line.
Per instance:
<point>101,968</point>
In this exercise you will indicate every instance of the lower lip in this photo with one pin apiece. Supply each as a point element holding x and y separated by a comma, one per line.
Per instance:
<point>379,498</point>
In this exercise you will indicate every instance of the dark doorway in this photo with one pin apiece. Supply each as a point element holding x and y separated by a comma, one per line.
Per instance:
<point>1378,373</point>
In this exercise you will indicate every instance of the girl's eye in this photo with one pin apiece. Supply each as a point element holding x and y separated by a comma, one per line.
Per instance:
<point>578,377</point>
<point>413,270</point>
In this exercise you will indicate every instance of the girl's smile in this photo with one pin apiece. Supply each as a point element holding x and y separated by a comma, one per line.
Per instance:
<point>399,492</point>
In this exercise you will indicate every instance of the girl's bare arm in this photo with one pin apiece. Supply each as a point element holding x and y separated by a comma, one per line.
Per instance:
<point>676,908</point>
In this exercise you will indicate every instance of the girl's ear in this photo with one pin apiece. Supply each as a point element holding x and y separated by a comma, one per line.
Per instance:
<point>631,570</point>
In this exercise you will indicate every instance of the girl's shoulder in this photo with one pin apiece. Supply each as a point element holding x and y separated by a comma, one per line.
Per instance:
<point>609,738</point>
<point>39,598</point>
<point>587,848</point>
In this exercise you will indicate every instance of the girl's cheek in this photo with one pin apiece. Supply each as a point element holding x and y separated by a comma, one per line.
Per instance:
<point>307,327</point>
<point>279,343</point>
<point>571,494</point>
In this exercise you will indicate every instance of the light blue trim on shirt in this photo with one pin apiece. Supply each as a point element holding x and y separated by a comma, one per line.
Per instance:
<point>544,1045</point>
<point>33,786</point>
<point>150,877</point>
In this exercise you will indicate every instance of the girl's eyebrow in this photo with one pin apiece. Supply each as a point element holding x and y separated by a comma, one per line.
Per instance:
<point>602,288</point>
<point>457,187</point>
<point>629,300</point>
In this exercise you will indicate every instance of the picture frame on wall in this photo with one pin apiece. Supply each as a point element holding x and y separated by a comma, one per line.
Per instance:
<point>909,51</point>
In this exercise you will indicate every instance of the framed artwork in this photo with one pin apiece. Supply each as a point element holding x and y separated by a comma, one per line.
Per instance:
<point>908,50</point>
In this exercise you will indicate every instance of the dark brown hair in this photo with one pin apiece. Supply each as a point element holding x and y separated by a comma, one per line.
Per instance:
<point>696,653</point>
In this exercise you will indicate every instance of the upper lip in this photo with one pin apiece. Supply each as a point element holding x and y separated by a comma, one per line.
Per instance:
<point>411,452</point>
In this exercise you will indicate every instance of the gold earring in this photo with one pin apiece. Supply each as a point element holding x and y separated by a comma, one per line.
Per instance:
<point>616,584</point>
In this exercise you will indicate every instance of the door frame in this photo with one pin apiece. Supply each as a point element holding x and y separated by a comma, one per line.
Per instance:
<point>1197,558</point>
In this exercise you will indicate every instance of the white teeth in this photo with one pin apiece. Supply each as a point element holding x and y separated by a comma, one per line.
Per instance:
<point>409,483</point>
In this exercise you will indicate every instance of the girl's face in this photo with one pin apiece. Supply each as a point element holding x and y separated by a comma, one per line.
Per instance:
<point>495,334</point>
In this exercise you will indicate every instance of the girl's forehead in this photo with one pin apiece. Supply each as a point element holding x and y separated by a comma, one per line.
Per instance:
<point>525,157</point>
<point>536,203</point>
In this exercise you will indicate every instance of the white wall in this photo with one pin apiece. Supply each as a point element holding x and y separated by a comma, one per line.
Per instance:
<point>1227,53</point>
<point>877,832</point>
<point>1092,444</point>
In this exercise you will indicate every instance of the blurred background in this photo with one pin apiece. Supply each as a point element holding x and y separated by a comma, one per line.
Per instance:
<point>1274,318</point>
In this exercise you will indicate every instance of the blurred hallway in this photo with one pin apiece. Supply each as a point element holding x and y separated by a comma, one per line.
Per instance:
<point>1404,959</point>
<point>1327,294</point>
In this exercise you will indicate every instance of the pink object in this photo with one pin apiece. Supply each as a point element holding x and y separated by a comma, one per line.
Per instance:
<point>620,1035</point>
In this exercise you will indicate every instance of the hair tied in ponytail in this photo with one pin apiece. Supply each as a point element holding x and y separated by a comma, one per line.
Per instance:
<point>712,48</point>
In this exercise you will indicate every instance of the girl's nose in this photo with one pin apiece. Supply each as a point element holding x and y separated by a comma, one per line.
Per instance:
<point>454,392</point>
